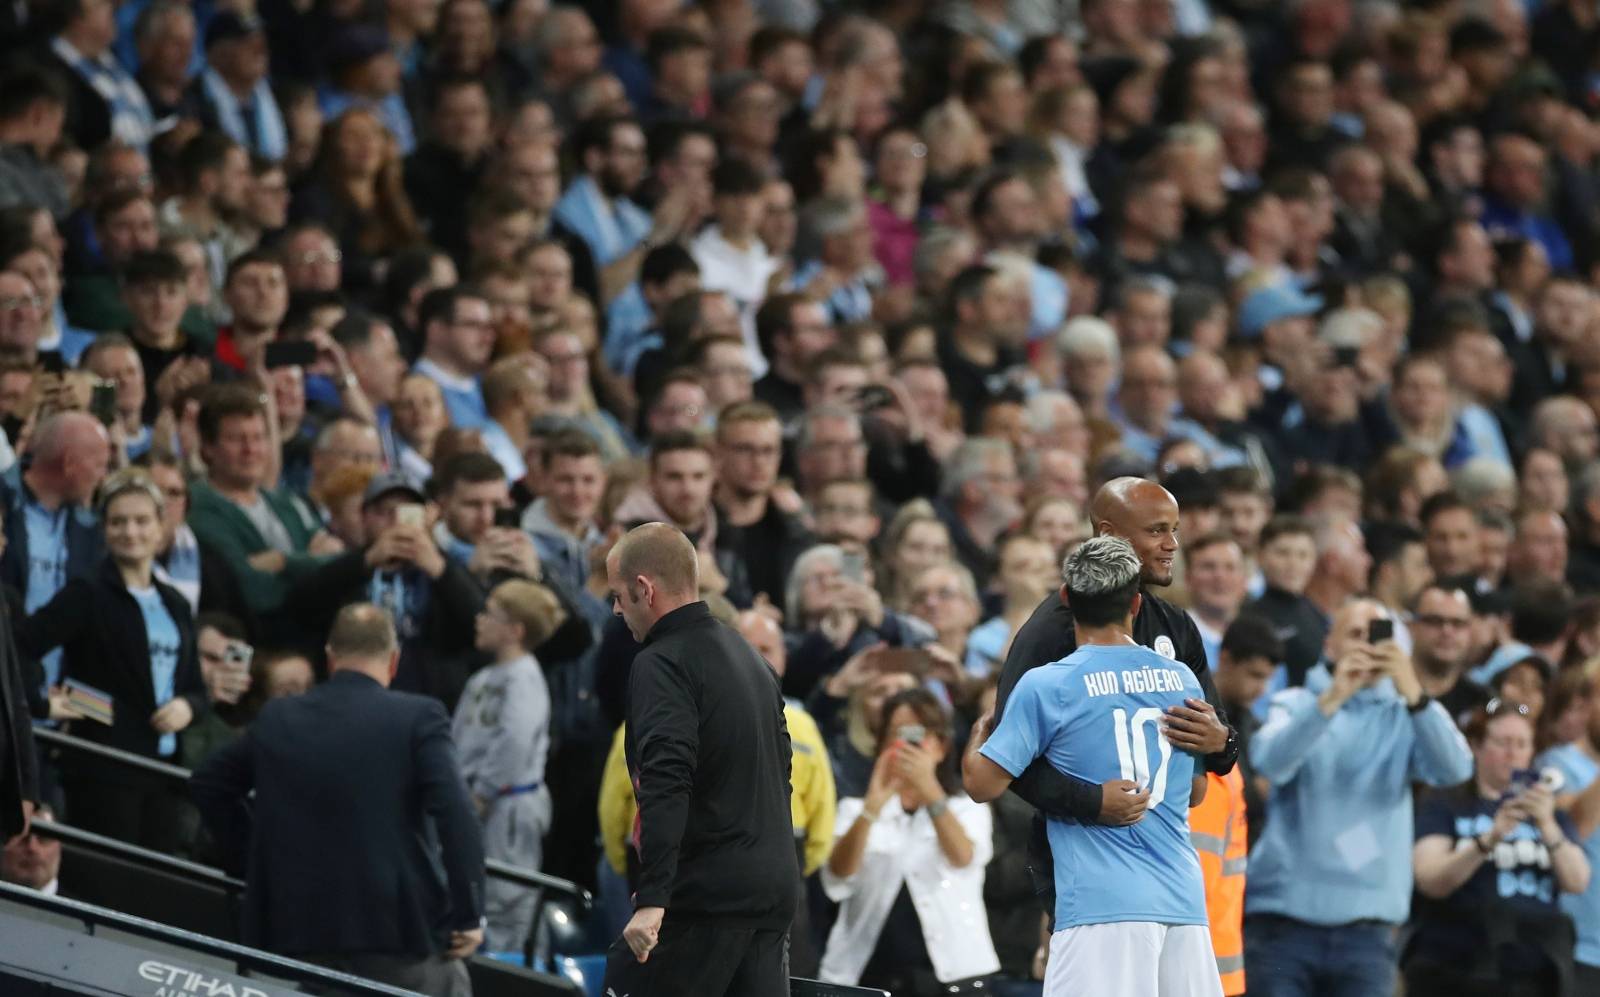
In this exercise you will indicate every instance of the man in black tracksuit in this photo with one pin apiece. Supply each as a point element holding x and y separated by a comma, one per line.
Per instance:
<point>708,752</point>
<point>1146,515</point>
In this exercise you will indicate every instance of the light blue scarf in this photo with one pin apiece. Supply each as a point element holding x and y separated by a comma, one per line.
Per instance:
<point>272,139</point>
<point>610,230</point>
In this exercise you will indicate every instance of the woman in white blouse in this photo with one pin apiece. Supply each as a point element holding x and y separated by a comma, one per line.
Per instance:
<point>907,866</point>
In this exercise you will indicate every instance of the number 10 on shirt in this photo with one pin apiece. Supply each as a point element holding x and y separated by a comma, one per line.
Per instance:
<point>1133,750</point>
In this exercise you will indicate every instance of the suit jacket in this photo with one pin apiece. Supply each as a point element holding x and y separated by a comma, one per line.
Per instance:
<point>19,769</point>
<point>352,781</point>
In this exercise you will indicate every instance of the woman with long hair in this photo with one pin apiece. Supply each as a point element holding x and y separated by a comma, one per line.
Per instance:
<point>358,190</point>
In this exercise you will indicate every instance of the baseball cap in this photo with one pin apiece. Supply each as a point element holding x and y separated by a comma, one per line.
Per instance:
<point>227,25</point>
<point>388,483</point>
<point>356,44</point>
<point>1273,303</point>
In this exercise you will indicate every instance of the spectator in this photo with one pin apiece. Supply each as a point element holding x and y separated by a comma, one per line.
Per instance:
<point>1306,892</point>
<point>502,726</point>
<point>1506,885</point>
<point>268,541</point>
<point>909,833</point>
<point>30,126</point>
<point>473,495</point>
<point>752,525</point>
<point>564,521</point>
<point>1288,558</point>
<point>394,747</point>
<point>1026,574</point>
<point>1440,627</point>
<point>32,858</point>
<point>980,500</point>
<point>52,534</point>
<point>141,653</point>
<point>226,667</point>
<point>106,102</point>
<point>1214,575</point>
<point>235,96</point>
<point>457,342</point>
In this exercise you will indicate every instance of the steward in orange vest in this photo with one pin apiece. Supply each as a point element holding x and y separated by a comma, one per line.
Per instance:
<point>1217,828</point>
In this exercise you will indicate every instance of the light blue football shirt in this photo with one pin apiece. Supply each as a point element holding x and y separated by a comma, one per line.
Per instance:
<point>1096,715</point>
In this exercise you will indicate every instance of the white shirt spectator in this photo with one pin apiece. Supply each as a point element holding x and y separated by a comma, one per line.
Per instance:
<point>903,850</point>
<point>742,274</point>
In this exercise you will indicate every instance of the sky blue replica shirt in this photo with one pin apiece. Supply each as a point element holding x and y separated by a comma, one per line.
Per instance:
<point>1096,715</point>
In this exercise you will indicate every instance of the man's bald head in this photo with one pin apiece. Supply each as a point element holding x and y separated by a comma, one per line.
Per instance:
<point>652,570</point>
<point>662,554</point>
<point>766,636</point>
<point>363,639</point>
<point>1146,515</point>
<point>70,452</point>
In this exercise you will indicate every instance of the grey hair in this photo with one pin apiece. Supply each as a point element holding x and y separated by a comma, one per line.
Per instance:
<point>1088,334</point>
<point>797,579</point>
<point>830,216</point>
<point>808,422</point>
<point>1100,565</point>
<point>933,246</point>
<point>1040,412</point>
<point>1482,477</point>
<point>1158,286</point>
<point>966,463</point>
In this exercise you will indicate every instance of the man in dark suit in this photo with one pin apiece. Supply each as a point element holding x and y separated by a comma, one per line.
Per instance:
<point>19,769</point>
<point>347,779</point>
<point>708,750</point>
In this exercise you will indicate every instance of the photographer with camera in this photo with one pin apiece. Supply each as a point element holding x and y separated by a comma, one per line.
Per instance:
<point>1331,875</point>
<point>1492,858</point>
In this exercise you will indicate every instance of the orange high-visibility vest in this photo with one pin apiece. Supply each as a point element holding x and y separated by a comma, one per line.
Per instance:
<point>1217,828</point>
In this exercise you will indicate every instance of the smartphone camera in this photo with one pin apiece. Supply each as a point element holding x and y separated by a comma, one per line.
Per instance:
<point>912,734</point>
<point>1379,631</point>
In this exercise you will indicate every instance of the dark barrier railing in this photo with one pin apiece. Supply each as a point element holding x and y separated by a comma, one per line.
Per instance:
<point>36,946</point>
<point>531,878</point>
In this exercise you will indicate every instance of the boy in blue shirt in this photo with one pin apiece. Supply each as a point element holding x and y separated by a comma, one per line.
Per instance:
<point>1130,913</point>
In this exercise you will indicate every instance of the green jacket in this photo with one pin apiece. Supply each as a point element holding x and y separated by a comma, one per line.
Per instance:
<point>94,302</point>
<point>224,526</point>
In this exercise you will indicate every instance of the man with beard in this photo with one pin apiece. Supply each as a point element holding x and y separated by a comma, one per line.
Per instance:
<point>612,160</point>
<point>1441,630</point>
<point>1146,515</point>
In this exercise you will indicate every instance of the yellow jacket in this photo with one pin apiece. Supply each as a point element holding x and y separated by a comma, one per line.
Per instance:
<point>811,801</point>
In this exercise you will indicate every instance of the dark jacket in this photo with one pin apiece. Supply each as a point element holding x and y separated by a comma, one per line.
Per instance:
<point>351,783</point>
<point>1049,636</point>
<point>19,768</point>
<point>767,547</point>
<point>85,541</point>
<point>98,626</point>
<point>708,750</point>
<point>441,659</point>
<point>1301,626</point>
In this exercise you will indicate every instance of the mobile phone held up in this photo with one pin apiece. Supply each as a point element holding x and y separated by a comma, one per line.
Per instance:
<point>103,402</point>
<point>291,353</point>
<point>1379,631</point>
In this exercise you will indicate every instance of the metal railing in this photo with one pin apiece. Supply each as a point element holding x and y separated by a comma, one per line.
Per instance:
<point>547,885</point>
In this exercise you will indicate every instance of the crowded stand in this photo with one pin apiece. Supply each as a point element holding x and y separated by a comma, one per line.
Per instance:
<point>892,309</point>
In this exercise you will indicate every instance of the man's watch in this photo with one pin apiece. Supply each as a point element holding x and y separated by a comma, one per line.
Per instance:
<point>937,809</point>
<point>1420,705</point>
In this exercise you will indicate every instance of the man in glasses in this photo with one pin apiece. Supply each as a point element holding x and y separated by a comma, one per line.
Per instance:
<point>1441,634</point>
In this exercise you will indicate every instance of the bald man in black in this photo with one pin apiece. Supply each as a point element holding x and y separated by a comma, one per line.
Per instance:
<point>1146,515</point>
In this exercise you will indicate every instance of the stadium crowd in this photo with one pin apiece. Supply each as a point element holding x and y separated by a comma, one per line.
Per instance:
<point>423,303</point>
